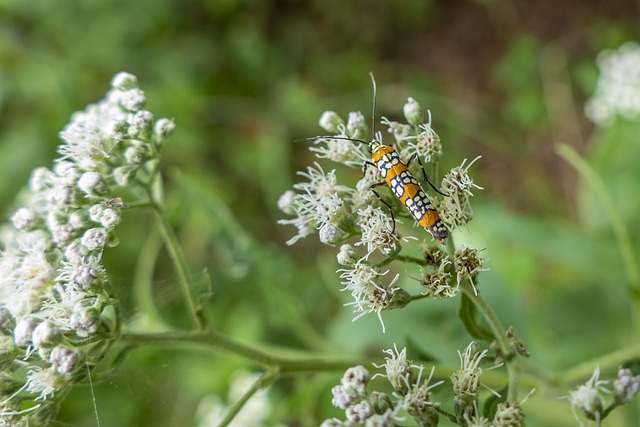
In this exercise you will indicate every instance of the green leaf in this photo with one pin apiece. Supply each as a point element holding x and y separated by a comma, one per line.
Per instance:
<point>468,316</point>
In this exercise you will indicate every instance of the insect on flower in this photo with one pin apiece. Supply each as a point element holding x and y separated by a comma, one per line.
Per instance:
<point>399,178</point>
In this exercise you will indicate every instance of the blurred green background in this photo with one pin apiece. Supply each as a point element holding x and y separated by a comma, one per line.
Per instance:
<point>244,79</point>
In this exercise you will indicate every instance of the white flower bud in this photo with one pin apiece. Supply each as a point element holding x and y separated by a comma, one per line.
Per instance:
<point>329,234</point>
<point>41,178</point>
<point>23,331</point>
<point>67,172</point>
<point>124,81</point>
<point>357,125</point>
<point>95,212</point>
<point>63,360</point>
<point>46,335</point>
<point>348,255</point>
<point>356,379</point>
<point>110,218</point>
<point>413,112</point>
<point>135,154</point>
<point>84,321</point>
<point>124,175</point>
<point>93,184</point>
<point>62,234</point>
<point>162,130</point>
<point>132,100</point>
<point>23,219</point>
<point>331,121</point>
<point>286,202</point>
<point>94,239</point>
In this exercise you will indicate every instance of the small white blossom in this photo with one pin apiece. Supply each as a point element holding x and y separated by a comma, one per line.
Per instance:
<point>46,335</point>
<point>356,379</point>
<point>466,380</point>
<point>24,331</point>
<point>370,296</point>
<point>63,360</point>
<point>348,255</point>
<point>124,81</point>
<point>286,202</point>
<point>94,239</point>
<point>23,219</point>
<point>44,382</point>
<point>162,130</point>
<point>588,397</point>
<point>626,386</point>
<point>359,412</point>
<point>92,184</point>
<point>377,231</point>
<point>331,235</point>
<point>398,369</point>
<point>458,186</point>
<point>132,100</point>
<point>84,321</point>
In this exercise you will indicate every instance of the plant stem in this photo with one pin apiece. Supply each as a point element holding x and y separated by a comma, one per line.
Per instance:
<point>619,229</point>
<point>607,361</point>
<point>218,341</point>
<point>264,381</point>
<point>175,253</point>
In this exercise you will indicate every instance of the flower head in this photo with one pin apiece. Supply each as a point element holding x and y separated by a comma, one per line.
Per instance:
<point>370,295</point>
<point>588,397</point>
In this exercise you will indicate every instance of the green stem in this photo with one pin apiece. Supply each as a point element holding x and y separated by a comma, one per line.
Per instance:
<point>264,381</point>
<point>143,278</point>
<point>622,234</point>
<point>180,265</point>
<point>499,332</point>
<point>216,341</point>
<point>607,361</point>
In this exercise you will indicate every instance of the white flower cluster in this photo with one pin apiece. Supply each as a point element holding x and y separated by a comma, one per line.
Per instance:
<point>618,88</point>
<point>58,313</point>
<point>338,212</point>
<point>411,394</point>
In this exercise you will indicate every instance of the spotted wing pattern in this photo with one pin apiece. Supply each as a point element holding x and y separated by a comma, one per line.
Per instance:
<point>407,189</point>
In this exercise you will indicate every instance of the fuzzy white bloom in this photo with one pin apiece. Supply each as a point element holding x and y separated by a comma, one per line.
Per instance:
<point>398,369</point>
<point>466,380</point>
<point>320,202</point>
<point>378,232</point>
<point>92,184</point>
<point>618,89</point>
<point>370,296</point>
<point>588,397</point>
<point>46,335</point>
<point>458,186</point>
<point>52,282</point>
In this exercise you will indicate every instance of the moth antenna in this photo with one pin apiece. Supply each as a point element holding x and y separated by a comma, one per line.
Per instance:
<point>373,108</point>
<point>313,138</point>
